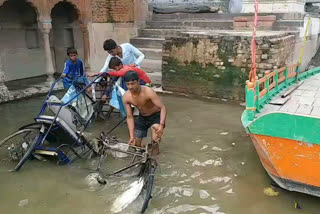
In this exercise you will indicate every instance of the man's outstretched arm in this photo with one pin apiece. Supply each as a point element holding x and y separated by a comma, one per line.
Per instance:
<point>130,120</point>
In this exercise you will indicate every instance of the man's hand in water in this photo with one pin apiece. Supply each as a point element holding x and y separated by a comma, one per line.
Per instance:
<point>132,141</point>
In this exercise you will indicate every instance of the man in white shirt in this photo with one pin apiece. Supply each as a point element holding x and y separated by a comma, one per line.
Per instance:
<point>128,54</point>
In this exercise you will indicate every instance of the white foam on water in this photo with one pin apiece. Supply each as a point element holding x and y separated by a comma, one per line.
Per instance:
<point>213,209</point>
<point>217,162</point>
<point>184,181</point>
<point>183,175</point>
<point>224,133</point>
<point>179,192</point>
<point>204,147</point>
<point>196,174</point>
<point>229,191</point>
<point>203,194</point>
<point>217,149</point>
<point>216,180</point>
<point>225,187</point>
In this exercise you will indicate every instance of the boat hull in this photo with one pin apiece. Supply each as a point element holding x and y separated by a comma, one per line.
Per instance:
<point>292,164</point>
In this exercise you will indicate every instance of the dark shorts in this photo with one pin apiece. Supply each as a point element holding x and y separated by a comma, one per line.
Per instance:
<point>143,123</point>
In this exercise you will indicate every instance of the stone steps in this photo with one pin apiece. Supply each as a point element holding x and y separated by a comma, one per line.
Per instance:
<point>156,78</point>
<point>222,16</point>
<point>153,69</point>
<point>203,24</point>
<point>171,28</point>
<point>151,65</point>
<point>159,33</point>
<point>144,42</point>
<point>152,53</point>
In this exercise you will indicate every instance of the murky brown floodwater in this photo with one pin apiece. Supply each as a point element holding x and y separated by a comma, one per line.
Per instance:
<point>232,181</point>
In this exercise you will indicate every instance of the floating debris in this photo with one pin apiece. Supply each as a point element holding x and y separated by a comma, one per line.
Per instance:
<point>235,175</point>
<point>233,144</point>
<point>217,149</point>
<point>204,194</point>
<point>270,192</point>
<point>224,133</point>
<point>94,181</point>
<point>204,147</point>
<point>23,203</point>
<point>229,191</point>
<point>296,205</point>
<point>242,163</point>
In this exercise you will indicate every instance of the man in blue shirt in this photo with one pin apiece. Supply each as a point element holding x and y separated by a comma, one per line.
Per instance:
<point>73,69</point>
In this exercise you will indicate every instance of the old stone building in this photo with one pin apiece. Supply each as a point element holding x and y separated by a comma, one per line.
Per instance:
<point>34,34</point>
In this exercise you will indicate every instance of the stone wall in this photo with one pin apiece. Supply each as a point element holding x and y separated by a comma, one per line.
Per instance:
<point>223,4</point>
<point>218,65</point>
<point>274,6</point>
<point>112,11</point>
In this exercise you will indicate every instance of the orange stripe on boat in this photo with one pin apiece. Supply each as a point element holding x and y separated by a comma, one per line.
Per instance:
<point>289,159</point>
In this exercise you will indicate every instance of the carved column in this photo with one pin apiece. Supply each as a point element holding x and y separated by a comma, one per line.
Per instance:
<point>45,27</point>
<point>142,12</point>
<point>86,45</point>
<point>4,92</point>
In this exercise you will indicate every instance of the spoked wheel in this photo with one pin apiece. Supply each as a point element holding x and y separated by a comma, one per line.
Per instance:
<point>16,149</point>
<point>149,170</point>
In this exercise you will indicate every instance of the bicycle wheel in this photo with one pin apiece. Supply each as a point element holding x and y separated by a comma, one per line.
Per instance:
<point>150,170</point>
<point>16,149</point>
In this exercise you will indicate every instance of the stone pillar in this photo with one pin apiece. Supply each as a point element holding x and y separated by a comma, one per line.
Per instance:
<point>86,45</point>
<point>45,27</point>
<point>142,13</point>
<point>4,92</point>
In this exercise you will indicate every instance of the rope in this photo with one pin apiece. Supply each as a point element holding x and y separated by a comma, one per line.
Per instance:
<point>253,70</point>
<point>304,40</point>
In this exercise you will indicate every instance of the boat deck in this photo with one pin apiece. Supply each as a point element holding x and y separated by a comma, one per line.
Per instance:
<point>303,100</point>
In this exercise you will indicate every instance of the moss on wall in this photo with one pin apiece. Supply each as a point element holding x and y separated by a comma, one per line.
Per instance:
<point>225,83</point>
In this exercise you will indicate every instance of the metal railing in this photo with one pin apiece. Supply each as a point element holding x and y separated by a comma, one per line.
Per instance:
<point>261,91</point>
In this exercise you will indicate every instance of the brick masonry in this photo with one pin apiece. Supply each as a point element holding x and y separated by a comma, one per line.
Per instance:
<point>112,11</point>
<point>218,65</point>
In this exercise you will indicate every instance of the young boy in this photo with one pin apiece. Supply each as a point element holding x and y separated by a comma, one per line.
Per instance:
<point>73,68</point>
<point>119,71</point>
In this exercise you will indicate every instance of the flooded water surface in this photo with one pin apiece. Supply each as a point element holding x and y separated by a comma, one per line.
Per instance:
<point>207,165</point>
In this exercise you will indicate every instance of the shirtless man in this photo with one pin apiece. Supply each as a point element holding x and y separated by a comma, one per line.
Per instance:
<point>152,112</point>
